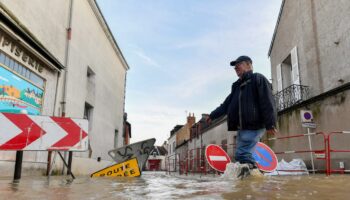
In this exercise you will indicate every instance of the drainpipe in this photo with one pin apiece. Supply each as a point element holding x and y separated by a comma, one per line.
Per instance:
<point>124,120</point>
<point>66,61</point>
<point>65,77</point>
<point>57,82</point>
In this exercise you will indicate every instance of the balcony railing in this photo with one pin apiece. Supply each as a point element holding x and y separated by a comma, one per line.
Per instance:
<point>290,96</point>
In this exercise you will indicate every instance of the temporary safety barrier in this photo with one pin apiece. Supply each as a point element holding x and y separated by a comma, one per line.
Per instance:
<point>21,132</point>
<point>171,163</point>
<point>317,152</point>
<point>194,161</point>
<point>331,150</point>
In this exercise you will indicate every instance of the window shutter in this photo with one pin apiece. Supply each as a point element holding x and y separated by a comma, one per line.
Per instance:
<point>279,100</point>
<point>295,74</point>
<point>279,78</point>
<point>295,66</point>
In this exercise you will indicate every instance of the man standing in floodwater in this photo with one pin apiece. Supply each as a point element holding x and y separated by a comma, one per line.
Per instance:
<point>250,111</point>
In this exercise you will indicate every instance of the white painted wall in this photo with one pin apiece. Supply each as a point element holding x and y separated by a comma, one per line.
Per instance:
<point>170,161</point>
<point>47,22</point>
<point>214,135</point>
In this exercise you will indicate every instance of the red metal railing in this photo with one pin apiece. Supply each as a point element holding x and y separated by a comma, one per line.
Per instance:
<point>331,150</point>
<point>310,150</point>
<point>171,163</point>
<point>195,162</point>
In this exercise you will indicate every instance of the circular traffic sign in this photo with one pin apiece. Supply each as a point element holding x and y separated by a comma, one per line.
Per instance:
<point>265,158</point>
<point>217,157</point>
<point>307,115</point>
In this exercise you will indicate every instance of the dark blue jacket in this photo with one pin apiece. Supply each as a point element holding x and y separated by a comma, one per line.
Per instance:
<point>250,106</point>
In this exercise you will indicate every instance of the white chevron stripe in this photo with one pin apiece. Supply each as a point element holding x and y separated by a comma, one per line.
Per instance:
<point>81,146</point>
<point>83,123</point>
<point>54,133</point>
<point>8,130</point>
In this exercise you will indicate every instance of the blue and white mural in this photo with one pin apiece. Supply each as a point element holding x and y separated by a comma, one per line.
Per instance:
<point>18,95</point>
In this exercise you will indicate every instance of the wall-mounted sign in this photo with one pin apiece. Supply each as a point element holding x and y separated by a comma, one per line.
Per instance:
<point>12,46</point>
<point>18,95</point>
<point>307,119</point>
<point>306,116</point>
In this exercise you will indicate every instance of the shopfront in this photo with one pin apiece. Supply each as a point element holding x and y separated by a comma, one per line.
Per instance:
<point>27,79</point>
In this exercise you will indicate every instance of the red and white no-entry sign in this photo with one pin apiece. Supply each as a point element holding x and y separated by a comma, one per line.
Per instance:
<point>42,133</point>
<point>217,157</point>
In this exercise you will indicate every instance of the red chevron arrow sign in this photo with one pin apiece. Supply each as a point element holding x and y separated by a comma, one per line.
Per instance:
<point>42,133</point>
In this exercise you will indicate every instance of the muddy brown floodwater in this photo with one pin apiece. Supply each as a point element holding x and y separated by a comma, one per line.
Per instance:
<point>158,185</point>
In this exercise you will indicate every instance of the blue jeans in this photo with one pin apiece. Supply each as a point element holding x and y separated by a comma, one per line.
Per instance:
<point>246,141</point>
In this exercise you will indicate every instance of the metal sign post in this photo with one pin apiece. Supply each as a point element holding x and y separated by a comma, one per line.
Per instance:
<point>311,156</point>
<point>307,122</point>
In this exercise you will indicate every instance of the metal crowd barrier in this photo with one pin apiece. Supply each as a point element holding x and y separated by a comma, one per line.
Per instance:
<point>322,151</point>
<point>331,150</point>
<point>195,162</point>
<point>171,163</point>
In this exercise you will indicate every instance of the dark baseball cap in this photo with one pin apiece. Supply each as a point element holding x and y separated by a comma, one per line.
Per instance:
<point>241,59</point>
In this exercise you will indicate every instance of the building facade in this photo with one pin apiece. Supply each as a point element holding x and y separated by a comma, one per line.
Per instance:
<point>171,157</point>
<point>309,56</point>
<point>203,134</point>
<point>182,138</point>
<point>156,160</point>
<point>127,130</point>
<point>59,58</point>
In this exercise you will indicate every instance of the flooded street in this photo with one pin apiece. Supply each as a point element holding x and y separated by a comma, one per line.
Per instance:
<point>158,185</point>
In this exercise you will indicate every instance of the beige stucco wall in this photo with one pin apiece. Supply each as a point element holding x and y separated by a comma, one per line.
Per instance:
<point>213,135</point>
<point>321,32</point>
<point>183,134</point>
<point>90,46</point>
<point>330,114</point>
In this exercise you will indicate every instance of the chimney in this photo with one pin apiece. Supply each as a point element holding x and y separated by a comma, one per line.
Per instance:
<point>204,115</point>
<point>191,119</point>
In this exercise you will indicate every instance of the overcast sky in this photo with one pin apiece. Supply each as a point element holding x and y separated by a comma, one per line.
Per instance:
<point>179,53</point>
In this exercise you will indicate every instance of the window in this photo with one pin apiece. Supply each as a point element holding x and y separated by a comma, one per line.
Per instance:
<point>224,144</point>
<point>2,58</point>
<point>88,111</point>
<point>288,71</point>
<point>116,138</point>
<point>19,69</point>
<point>90,73</point>
<point>173,147</point>
<point>288,81</point>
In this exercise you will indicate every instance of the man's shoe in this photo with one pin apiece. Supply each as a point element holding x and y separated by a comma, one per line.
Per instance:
<point>244,171</point>
<point>252,166</point>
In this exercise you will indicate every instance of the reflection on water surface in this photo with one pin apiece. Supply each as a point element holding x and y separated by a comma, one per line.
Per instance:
<point>158,185</point>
